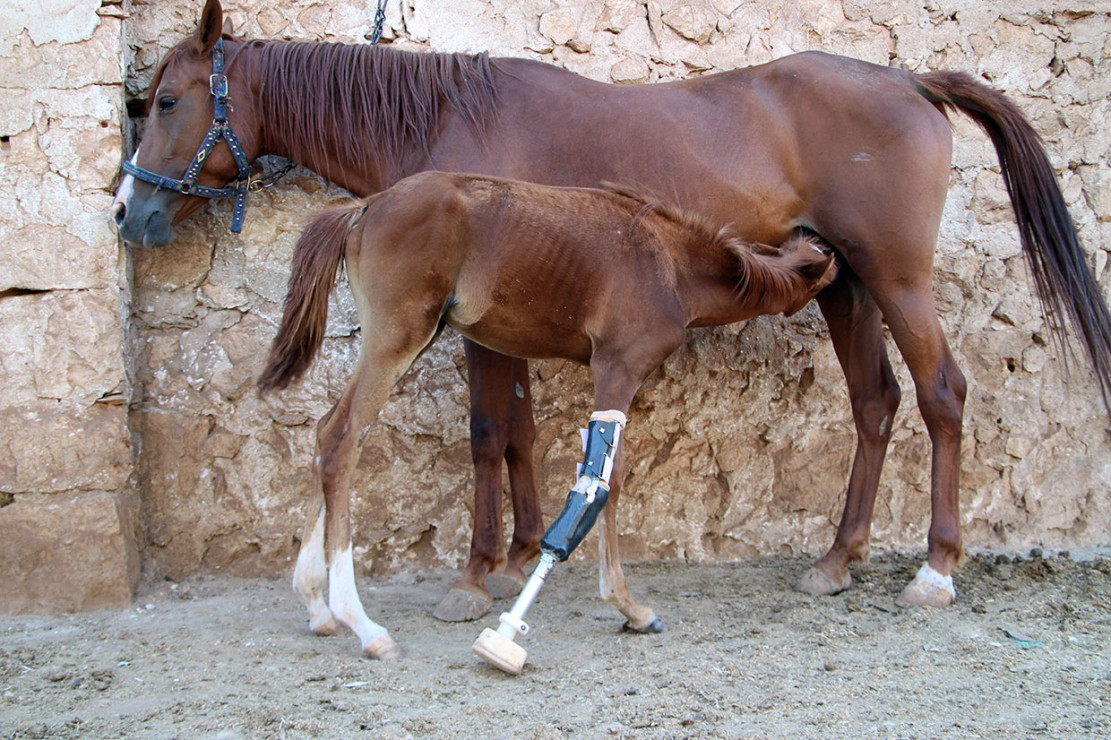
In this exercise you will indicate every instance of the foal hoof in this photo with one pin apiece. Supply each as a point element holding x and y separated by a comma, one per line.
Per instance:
<point>654,627</point>
<point>327,628</point>
<point>929,588</point>
<point>382,648</point>
<point>503,585</point>
<point>817,583</point>
<point>462,606</point>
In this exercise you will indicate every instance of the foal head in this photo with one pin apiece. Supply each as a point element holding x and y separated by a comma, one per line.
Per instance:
<point>782,279</point>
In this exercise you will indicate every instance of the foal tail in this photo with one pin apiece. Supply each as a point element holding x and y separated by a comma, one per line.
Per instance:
<point>316,261</point>
<point>1062,278</point>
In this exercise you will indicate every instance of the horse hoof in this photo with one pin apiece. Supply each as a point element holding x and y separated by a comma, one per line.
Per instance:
<point>503,586</point>
<point>929,588</point>
<point>817,583</point>
<point>462,606</point>
<point>654,627</point>
<point>382,648</point>
<point>328,628</point>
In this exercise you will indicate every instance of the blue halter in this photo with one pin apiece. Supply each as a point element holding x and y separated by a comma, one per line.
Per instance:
<point>220,129</point>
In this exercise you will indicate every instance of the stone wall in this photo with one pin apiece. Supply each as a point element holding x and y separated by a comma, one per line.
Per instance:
<point>740,446</point>
<point>67,510</point>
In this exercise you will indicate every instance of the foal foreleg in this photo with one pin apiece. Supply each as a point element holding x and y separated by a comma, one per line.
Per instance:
<point>585,501</point>
<point>611,579</point>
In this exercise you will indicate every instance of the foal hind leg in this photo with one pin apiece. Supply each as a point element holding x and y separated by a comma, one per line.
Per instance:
<point>940,389</point>
<point>855,327</point>
<point>310,576</point>
<point>337,452</point>
<point>386,355</point>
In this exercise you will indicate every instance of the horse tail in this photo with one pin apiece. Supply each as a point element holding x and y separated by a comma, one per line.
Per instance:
<point>316,262</point>
<point>1061,275</point>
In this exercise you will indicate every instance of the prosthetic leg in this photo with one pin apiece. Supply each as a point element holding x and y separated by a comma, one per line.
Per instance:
<point>585,501</point>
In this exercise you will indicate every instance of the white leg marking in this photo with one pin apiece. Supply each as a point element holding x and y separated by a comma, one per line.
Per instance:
<point>343,598</point>
<point>604,587</point>
<point>931,577</point>
<point>310,577</point>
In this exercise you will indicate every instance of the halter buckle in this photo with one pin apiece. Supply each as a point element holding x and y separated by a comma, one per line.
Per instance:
<point>218,84</point>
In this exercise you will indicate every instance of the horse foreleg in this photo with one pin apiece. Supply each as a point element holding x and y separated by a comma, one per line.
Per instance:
<point>501,428</point>
<point>528,523</point>
<point>855,327</point>
<point>940,388</point>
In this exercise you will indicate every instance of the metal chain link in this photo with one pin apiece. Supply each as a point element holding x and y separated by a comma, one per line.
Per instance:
<point>379,21</point>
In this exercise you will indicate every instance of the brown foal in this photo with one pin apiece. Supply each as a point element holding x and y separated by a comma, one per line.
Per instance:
<point>623,279</point>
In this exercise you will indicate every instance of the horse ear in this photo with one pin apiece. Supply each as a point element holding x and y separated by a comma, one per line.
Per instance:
<point>210,26</point>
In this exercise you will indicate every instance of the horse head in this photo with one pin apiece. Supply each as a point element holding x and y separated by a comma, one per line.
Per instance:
<point>179,165</point>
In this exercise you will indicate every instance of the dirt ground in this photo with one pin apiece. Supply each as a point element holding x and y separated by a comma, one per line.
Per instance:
<point>1023,653</point>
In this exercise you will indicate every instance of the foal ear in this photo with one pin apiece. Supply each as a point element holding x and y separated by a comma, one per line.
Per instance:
<point>210,26</point>
<point>818,270</point>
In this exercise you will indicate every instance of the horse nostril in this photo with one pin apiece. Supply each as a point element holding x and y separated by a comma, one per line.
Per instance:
<point>117,213</point>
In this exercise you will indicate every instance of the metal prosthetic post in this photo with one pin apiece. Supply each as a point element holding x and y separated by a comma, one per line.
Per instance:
<point>585,501</point>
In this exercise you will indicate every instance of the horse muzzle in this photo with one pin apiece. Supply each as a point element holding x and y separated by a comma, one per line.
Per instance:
<point>147,222</point>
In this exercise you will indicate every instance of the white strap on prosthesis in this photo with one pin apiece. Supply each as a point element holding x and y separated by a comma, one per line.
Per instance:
<point>611,415</point>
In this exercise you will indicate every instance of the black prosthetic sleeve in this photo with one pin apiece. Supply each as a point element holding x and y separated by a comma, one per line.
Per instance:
<point>581,510</point>
<point>573,523</point>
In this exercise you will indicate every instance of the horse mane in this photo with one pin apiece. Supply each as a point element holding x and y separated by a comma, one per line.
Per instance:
<point>370,103</point>
<point>767,275</point>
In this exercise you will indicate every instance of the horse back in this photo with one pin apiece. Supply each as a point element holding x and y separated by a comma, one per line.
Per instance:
<point>768,148</point>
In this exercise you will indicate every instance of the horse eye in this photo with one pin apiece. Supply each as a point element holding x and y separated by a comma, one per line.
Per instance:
<point>166,104</point>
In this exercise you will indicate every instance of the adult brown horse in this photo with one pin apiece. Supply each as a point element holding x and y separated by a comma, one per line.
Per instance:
<point>624,278</point>
<point>854,152</point>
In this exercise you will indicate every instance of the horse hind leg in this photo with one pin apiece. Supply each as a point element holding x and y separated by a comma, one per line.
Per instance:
<point>940,389</point>
<point>855,327</point>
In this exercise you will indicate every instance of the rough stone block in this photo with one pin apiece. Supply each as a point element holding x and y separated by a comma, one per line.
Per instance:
<point>62,346</point>
<point>67,553</point>
<point>46,446</point>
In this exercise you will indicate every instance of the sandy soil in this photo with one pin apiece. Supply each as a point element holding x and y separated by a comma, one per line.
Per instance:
<point>1024,653</point>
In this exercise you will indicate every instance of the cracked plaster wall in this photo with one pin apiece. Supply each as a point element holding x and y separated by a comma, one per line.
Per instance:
<point>739,447</point>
